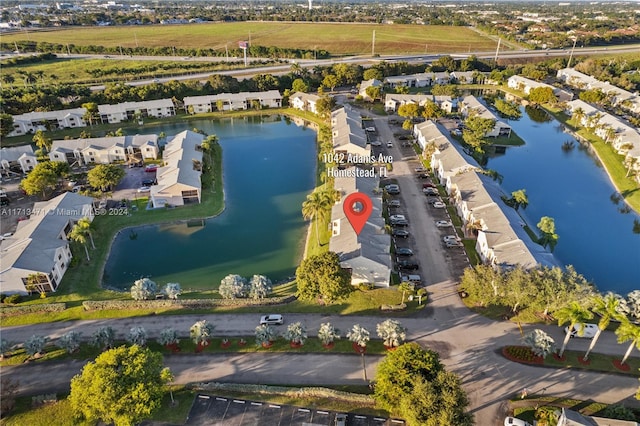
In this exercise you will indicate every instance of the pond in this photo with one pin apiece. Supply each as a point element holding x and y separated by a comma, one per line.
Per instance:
<point>269,168</point>
<point>595,228</point>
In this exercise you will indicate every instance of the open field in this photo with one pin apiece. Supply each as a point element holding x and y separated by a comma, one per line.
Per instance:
<point>336,38</point>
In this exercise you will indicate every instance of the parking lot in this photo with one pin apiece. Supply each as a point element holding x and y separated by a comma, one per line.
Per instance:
<point>217,410</point>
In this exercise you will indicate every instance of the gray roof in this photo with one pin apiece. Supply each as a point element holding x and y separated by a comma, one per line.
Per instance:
<point>33,244</point>
<point>11,154</point>
<point>70,145</point>
<point>49,115</point>
<point>132,106</point>
<point>346,127</point>
<point>366,253</point>
<point>178,157</point>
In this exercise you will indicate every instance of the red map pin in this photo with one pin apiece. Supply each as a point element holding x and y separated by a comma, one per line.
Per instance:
<point>357,207</point>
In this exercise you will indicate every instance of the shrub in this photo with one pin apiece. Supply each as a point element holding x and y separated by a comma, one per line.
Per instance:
<point>233,286</point>
<point>34,345</point>
<point>103,337</point>
<point>327,333</point>
<point>296,333</point>
<point>13,299</point>
<point>359,335</point>
<point>391,332</point>
<point>259,287</point>
<point>29,309</point>
<point>137,336</point>
<point>264,334</point>
<point>619,412</point>
<point>201,332</point>
<point>168,336</point>
<point>143,289</point>
<point>70,341</point>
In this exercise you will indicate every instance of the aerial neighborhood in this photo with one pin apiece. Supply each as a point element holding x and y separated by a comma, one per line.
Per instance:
<point>361,231</point>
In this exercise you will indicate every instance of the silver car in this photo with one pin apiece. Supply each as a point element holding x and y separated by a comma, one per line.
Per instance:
<point>273,319</point>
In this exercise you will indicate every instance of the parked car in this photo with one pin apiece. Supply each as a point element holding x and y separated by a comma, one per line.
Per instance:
<point>151,168</point>
<point>273,319</point>
<point>392,189</point>
<point>512,421</point>
<point>404,251</point>
<point>148,182</point>
<point>407,264</point>
<point>439,205</point>
<point>423,176</point>
<point>430,192</point>
<point>444,223</point>
<point>420,170</point>
<point>393,203</point>
<point>370,129</point>
<point>428,185</point>
<point>452,238</point>
<point>400,233</point>
<point>589,331</point>
<point>400,222</point>
<point>411,278</point>
<point>452,244</point>
<point>144,189</point>
<point>397,217</point>
<point>376,143</point>
<point>341,419</point>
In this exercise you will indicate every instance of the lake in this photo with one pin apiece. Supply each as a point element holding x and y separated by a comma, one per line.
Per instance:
<point>595,233</point>
<point>269,167</point>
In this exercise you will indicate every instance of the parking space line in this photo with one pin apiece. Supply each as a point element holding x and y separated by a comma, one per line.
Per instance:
<point>204,397</point>
<point>257,403</point>
<point>274,406</point>
<point>359,417</point>
<point>379,419</point>
<point>220,399</point>
<point>304,410</point>
<point>237,401</point>
<point>322,412</point>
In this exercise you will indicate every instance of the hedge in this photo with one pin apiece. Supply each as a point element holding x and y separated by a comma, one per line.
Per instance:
<point>93,305</point>
<point>308,392</point>
<point>30,309</point>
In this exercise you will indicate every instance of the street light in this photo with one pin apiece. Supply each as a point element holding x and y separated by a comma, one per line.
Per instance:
<point>575,39</point>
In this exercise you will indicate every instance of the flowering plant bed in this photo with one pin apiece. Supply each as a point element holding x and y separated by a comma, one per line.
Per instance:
<point>521,354</point>
<point>575,360</point>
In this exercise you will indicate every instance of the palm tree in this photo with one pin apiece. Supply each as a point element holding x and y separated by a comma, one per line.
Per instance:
<point>474,226</point>
<point>42,141</point>
<point>608,307</point>
<point>576,315</point>
<point>625,332</point>
<point>8,78</point>
<point>85,225</point>
<point>316,207</point>
<point>79,235</point>
<point>296,69</point>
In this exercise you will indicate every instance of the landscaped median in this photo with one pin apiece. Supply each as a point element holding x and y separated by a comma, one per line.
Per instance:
<point>574,360</point>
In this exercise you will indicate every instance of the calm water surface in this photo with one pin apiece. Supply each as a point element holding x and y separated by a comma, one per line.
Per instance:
<point>572,188</point>
<point>269,168</point>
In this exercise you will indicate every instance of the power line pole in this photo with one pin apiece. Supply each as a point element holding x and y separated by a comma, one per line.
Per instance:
<point>571,55</point>
<point>495,59</point>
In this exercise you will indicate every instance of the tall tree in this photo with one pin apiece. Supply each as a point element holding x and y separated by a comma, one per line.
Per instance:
<point>608,307</point>
<point>105,176</point>
<point>40,179</point>
<point>548,228</point>
<point>122,386</point>
<point>576,315</point>
<point>412,382</point>
<point>519,199</point>
<point>628,331</point>
<point>317,208</point>
<point>6,124</point>
<point>42,141</point>
<point>92,112</point>
<point>79,235</point>
<point>321,275</point>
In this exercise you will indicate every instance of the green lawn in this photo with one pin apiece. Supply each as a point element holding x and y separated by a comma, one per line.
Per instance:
<point>336,38</point>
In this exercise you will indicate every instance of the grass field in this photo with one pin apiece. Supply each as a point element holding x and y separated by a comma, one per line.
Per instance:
<point>337,38</point>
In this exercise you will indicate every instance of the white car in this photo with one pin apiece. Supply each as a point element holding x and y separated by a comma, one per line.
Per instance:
<point>444,224</point>
<point>370,129</point>
<point>273,319</point>
<point>512,421</point>
<point>589,331</point>
<point>389,144</point>
<point>439,205</point>
<point>144,189</point>
<point>397,217</point>
<point>451,238</point>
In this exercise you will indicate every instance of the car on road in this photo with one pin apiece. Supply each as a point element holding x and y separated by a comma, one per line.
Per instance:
<point>144,189</point>
<point>513,421</point>
<point>400,222</point>
<point>389,144</point>
<point>400,233</point>
<point>588,332</point>
<point>151,168</point>
<point>376,143</point>
<point>439,205</point>
<point>444,224</point>
<point>393,203</point>
<point>272,319</point>
<point>404,251</point>
<point>370,129</point>
<point>397,217</point>
<point>407,264</point>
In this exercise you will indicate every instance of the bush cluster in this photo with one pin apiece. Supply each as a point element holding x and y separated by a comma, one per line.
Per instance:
<point>521,354</point>
<point>30,309</point>
<point>99,305</point>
